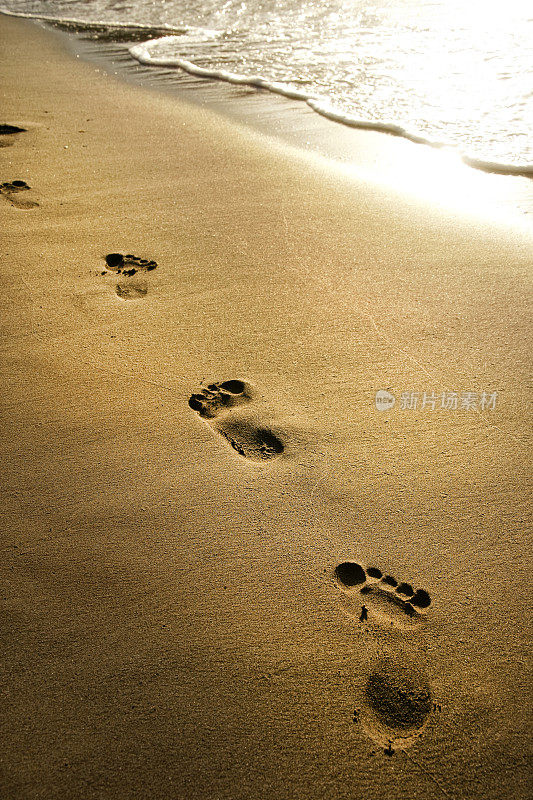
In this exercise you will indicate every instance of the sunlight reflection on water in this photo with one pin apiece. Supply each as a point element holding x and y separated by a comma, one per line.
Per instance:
<point>452,71</point>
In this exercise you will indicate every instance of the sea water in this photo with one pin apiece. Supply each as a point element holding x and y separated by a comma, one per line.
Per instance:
<point>443,72</point>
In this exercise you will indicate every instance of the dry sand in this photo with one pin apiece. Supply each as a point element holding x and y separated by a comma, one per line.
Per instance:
<point>174,624</point>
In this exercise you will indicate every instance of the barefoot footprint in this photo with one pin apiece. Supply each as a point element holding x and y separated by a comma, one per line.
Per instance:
<point>11,190</point>
<point>395,700</point>
<point>385,596</point>
<point>129,265</point>
<point>216,404</point>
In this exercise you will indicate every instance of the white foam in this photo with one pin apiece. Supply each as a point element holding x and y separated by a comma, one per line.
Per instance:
<point>187,35</point>
<point>141,53</point>
<point>321,105</point>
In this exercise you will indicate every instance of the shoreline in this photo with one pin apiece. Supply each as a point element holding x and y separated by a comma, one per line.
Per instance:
<point>192,453</point>
<point>423,169</point>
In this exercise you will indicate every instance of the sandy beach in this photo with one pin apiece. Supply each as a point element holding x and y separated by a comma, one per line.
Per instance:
<point>226,573</point>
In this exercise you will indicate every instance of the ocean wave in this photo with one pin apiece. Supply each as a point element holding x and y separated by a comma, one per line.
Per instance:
<point>149,37</point>
<point>320,105</point>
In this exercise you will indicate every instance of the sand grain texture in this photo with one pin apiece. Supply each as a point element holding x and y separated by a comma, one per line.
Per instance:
<point>173,624</point>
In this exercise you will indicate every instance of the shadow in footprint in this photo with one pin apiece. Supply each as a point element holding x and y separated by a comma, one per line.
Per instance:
<point>396,700</point>
<point>128,264</point>
<point>215,404</point>
<point>11,191</point>
<point>8,131</point>
<point>131,291</point>
<point>383,593</point>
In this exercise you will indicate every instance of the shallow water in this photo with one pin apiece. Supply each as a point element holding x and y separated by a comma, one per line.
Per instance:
<point>445,72</point>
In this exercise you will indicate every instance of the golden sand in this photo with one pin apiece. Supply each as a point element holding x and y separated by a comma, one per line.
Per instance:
<point>174,622</point>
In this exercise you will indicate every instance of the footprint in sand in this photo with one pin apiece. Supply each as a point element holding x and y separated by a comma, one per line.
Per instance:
<point>370,594</point>
<point>11,191</point>
<point>129,265</point>
<point>395,699</point>
<point>216,404</point>
<point>8,131</point>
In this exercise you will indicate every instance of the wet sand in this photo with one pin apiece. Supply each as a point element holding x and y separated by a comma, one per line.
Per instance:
<point>200,495</point>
